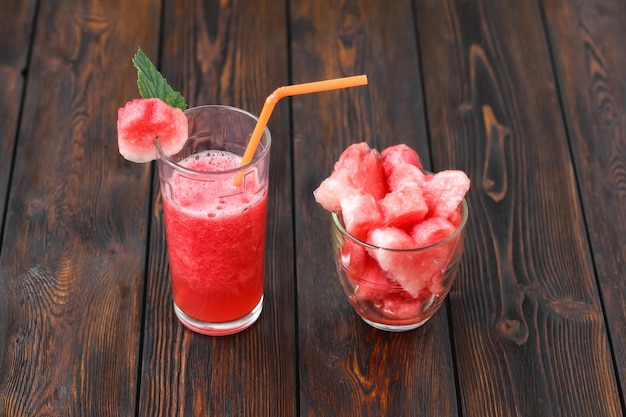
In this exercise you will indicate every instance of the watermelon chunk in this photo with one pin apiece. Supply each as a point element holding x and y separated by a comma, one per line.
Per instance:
<point>375,291</point>
<point>410,268</point>
<point>431,231</point>
<point>405,174</point>
<point>373,284</point>
<point>404,207</point>
<point>444,191</point>
<point>332,190</point>
<point>358,171</point>
<point>360,214</point>
<point>376,294</point>
<point>354,258</point>
<point>397,155</point>
<point>401,307</point>
<point>455,218</point>
<point>142,121</point>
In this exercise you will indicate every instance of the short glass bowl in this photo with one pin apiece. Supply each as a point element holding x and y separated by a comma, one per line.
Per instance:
<point>380,300</point>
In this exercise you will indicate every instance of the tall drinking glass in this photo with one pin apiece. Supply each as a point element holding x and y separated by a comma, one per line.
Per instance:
<point>215,220</point>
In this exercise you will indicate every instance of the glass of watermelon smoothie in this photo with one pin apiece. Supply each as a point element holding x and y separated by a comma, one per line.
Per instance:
<point>215,229</point>
<point>398,289</point>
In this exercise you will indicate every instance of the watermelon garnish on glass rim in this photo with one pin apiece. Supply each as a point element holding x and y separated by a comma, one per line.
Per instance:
<point>159,114</point>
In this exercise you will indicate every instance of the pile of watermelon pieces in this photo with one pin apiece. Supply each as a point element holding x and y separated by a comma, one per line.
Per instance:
<point>388,201</point>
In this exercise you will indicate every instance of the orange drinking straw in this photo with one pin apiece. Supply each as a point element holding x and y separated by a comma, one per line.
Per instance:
<point>293,90</point>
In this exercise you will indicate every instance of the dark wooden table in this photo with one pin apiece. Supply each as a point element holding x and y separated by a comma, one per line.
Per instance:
<point>528,97</point>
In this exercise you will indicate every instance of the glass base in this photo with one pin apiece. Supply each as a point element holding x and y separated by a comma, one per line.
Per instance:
<point>223,328</point>
<point>392,328</point>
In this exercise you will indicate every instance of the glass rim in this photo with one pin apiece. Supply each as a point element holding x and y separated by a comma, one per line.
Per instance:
<point>161,156</point>
<point>338,223</point>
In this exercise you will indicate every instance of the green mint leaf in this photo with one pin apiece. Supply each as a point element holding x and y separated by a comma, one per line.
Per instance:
<point>153,85</point>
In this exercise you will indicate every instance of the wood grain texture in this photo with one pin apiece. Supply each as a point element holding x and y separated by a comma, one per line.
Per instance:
<point>16,25</point>
<point>527,317</point>
<point>346,367</point>
<point>594,101</point>
<point>527,97</point>
<point>232,53</point>
<point>73,257</point>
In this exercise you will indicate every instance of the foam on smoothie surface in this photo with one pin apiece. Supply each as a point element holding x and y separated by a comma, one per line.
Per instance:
<point>211,161</point>
<point>218,197</point>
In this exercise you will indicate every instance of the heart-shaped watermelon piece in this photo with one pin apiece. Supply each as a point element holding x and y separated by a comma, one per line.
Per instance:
<point>142,121</point>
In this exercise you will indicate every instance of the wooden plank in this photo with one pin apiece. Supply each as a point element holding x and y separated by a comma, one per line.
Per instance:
<point>528,327</point>
<point>592,35</point>
<point>347,367</point>
<point>234,53</point>
<point>16,24</point>
<point>73,252</point>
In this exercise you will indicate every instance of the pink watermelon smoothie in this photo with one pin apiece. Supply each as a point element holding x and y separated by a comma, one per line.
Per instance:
<point>216,241</point>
